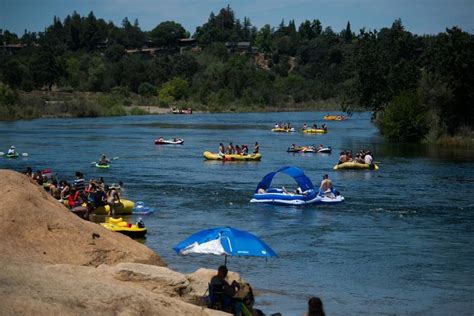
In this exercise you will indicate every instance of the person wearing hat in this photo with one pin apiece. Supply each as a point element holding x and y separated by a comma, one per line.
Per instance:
<point>11,151</point>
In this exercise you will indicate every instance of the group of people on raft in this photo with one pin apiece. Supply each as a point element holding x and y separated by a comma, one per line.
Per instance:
<point>237,150</point>
<point>362,156</point>
<point>283,125</point>
<point>315,126</point>
<point>310,147</point>
<point>325,189</point>
<point>80,196</point>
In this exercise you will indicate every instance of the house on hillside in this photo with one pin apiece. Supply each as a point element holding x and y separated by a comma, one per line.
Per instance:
<point>12,48</point>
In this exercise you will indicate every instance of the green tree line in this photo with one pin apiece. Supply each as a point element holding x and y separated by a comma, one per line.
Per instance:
<point>416,85</point>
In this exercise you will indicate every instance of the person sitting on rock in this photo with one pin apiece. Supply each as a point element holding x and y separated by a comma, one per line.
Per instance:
<point>221,293</point>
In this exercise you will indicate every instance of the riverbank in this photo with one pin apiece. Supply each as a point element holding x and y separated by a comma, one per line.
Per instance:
<point>53,262</point>
<point>40,104</point>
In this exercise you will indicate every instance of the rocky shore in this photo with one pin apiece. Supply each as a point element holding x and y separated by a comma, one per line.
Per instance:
<point>52,262</point>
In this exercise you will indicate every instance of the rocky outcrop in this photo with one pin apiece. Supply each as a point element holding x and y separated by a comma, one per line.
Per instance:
<point>54,263</point>
<point>34,227</point>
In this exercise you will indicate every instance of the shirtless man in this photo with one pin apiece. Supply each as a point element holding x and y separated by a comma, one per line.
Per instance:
<point>326,186</point>
<point>231,149</point>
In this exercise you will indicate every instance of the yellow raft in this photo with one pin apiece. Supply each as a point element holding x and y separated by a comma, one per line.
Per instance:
<point>314,131</point>
<point>124,207</point>
<point>212,156</point>
<point>129,229</point>
<point>283,130</point>
<point>354,165</point>
<point>334,117</point>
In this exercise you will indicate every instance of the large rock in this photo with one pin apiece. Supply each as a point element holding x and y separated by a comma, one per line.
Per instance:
<point>54,263</point>
<point>43,289</point>
<point>36,227</point>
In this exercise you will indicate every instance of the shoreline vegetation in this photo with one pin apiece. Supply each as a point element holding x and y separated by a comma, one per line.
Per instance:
<point>418,87</point>
<point>57,104</point>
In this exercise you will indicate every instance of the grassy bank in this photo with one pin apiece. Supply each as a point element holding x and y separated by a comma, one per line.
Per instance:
<point>464,139</point>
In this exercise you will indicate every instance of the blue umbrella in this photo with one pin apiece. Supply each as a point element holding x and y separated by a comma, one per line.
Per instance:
<point>225,241</point>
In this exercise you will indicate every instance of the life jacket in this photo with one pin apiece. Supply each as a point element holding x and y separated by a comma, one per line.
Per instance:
<point>73,201</point>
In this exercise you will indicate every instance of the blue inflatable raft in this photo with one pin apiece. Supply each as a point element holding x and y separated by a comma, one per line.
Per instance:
<point>305,194</point>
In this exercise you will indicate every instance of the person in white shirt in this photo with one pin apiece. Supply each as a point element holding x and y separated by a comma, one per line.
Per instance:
<point>368,158</point>
<point>11,151</point>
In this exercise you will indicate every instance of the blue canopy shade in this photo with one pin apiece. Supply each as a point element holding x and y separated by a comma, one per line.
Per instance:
<point>296,173</point>
<point>224,241</point>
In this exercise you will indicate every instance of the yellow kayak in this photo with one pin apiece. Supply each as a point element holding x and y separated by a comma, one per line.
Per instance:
<point>354,165</point>
<point>124,207</point>
<point>314,131</point>
<point>235,157</point>
<point>283,130</point>
<point>129,229</point>
<point>334,117</point>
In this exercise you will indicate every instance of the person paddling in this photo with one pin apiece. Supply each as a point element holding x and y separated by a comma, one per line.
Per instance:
<point>11,151</point>
<point>103,160</point>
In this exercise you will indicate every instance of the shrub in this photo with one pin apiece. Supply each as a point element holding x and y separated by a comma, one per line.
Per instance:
<point>146,89</point>
<point>138,111</point>
<point>7,95</point>
<point>404,119</point>
<point>174,90</point>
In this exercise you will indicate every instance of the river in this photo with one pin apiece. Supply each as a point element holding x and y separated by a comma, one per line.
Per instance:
<point>401,243</point>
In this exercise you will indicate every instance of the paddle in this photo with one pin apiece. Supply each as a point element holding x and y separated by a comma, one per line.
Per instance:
<point>23,154</point>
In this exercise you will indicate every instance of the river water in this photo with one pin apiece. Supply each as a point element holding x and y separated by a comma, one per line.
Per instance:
<point>401,243</point>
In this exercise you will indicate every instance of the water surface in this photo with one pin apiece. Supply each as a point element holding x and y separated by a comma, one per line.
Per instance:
<point>400,244</point>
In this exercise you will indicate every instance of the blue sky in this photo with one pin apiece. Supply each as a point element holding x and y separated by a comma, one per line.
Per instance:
<point>418,16</point>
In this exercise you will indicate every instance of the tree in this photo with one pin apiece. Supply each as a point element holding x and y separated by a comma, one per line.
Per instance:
<point>347,33</point>
<point>220,28</point>
<point>405,119</point>
<point>47,67</point>
<point>450,57</point>
<point>174,90</point>
<point>263,39</point>
<point>167,34</point>
<point>146,89</point>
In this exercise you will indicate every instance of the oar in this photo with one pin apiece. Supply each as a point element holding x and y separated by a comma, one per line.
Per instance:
<point>23,154</point>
